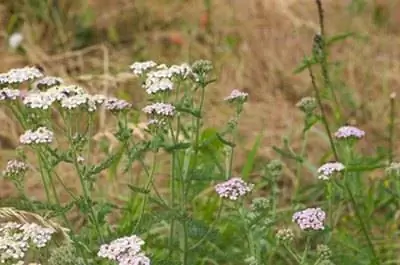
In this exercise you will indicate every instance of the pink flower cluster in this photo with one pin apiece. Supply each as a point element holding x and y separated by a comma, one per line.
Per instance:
<point>310,219</point>
<point>233,188</point>
<point>345,132</point>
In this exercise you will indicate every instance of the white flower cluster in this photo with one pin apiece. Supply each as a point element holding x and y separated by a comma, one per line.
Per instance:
<point>20,75</point>
<point>233,188</point>
<point>328,169</point>
<point>8,93</point>
<point>139,68</point>
<point>41,135</point>
<point>160,109</point>
<point>236,95</point>
<point>15,167</point>
<point>72,97</point>
<point>16,239</point>
<point>125,251</point>
<point>160,79</point>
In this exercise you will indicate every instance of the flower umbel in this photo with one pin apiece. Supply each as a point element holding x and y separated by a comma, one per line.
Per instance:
<point>20,75</point>
<point>307,104</point>
<point>285,235</point>
<point>10,94</point>
<point>233,188</point>
<point>310,219</point>
<point>16,239</point>
<point>139,68</point>
<point>159,108</point>
<point>236,95</point>
<point>328,169</point>
<point>15,167</point>
<point>125,250</point>
<point>42,135</point>
<point>349,132</point>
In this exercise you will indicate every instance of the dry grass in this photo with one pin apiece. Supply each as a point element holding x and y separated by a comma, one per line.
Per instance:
<point>272,38</point>
<point>8,214</point>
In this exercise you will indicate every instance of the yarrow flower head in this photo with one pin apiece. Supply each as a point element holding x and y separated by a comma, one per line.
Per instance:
<point>307,104</point>
<point>49,81</point>
<point>39,100</point>
<point>324,252</point>
<point>310,219</point>
<point>160,109</point>
<point>236,95</point>
<point>160,80</point>
<point>328,169</point>
<point>139,68</point>
<point>285,235</point>
<point>9,94</point>
<point>20,75</point>
<point>42,135</point>
<point>16,239</point>
<point>233,188</point>
<point>161,85</point>
<point>346,132</point>
<point>115,104</point>
<point>125,251</point>
<point>201,67</point>
<point>14,168</point>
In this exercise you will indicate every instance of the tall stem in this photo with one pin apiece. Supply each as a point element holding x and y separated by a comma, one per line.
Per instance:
<point>362,223</point>
<point>324,57</point>
<point>391,126</point>
<point>323,114</point>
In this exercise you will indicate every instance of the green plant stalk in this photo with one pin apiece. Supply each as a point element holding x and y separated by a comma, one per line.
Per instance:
<point>172,190</point>
<point>211,227</point>
<point>299,164</point>
<point>324,59</point>
<point>294,255</point>
<point>85,190</point>
<point>147,186</point>
<point>305,253</point>
<point>249,233</point>
<point>330,203</point>
<point>362,223</point>
<point>392,127</point>
<point>48,170</point>
<point>44,178</point>
<point>89,135</point>
<point>323,114</point>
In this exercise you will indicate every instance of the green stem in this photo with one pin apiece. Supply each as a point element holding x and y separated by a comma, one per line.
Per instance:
<point>392,126</point>
<point>324,52</point>
<point>323,114</point>
<point>211,227</point>
<point>146,188</point>
<point>362,223</point>
<point>85,190</point>
<point>294,255</point>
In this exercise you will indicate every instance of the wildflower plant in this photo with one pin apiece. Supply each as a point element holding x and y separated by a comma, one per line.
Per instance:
<point>204,211</point>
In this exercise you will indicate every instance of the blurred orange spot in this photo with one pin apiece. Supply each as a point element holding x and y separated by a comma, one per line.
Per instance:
<point>204,20</point>
<point>176,38</point>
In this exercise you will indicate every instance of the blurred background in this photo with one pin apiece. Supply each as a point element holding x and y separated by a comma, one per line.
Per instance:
<point>255,46</point>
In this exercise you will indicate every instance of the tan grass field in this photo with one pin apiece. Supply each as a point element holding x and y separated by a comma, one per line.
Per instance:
<point>255,45</point>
